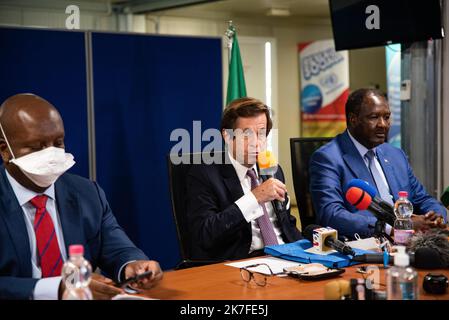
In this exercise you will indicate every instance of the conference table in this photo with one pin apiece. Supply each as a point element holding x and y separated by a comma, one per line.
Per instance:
<point>222,282</point>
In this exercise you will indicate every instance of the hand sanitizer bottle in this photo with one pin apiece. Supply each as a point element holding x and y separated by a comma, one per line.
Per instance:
<point>402,280</point>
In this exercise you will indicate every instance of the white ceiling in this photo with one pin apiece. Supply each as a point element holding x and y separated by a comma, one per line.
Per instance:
<point>299,8</point>
<point>301,11</point>
<point>304,8</point>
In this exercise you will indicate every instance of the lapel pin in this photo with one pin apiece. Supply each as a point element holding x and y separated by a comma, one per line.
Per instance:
<point>386,160</point>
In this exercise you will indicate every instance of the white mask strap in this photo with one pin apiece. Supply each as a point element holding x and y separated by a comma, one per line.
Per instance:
<point>6,139</point>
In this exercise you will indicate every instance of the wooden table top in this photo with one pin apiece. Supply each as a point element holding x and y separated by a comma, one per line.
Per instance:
<point>221,282</point>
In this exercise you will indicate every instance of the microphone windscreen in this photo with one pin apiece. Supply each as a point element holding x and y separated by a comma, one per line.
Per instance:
<point>445,197</point>
<point>358,198</point>
<point>434,244</point>
<point>308,231</point>
<point>267,162</point>
<point>362,184</point>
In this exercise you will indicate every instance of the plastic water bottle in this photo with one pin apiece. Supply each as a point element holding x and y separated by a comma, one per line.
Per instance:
<point>402,280</point>
<point>403,226</point>
<point>76,274</point>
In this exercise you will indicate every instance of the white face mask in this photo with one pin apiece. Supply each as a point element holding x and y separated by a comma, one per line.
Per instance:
<point>43,167</point>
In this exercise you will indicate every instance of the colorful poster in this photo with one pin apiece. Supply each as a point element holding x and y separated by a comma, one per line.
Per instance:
<point>324,75</point>
<point>393,61</point>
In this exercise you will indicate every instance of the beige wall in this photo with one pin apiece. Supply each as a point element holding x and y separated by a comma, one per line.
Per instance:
<point>367,68</point>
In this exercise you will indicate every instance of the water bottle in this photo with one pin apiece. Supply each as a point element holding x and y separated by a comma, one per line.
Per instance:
<point>76,274</point>
<point>402,280</point>
<point>403,226</point>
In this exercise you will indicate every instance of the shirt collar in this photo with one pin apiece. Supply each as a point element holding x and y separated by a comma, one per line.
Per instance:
<point>240,169</point>
<point>23,194</point>
<point>360,147</point>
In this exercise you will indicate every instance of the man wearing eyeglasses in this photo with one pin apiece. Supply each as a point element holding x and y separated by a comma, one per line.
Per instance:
<point>229,205</point>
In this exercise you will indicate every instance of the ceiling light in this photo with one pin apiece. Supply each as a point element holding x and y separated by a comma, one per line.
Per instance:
<point>278,12</point>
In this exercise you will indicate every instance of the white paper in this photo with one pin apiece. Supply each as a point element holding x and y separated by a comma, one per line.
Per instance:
<point>130,297</point>
<point>365,244</point>
<point>277,265</point>
<point>315,250</point>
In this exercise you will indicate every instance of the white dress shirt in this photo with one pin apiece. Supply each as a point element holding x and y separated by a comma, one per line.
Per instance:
<point>363,150</point>
<point>46,288</point>
<point>251,209</point>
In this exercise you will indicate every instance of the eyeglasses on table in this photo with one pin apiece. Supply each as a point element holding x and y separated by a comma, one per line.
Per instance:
<point>259,278</point>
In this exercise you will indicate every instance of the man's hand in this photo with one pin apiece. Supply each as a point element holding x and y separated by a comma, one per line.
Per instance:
<point>428,221</point>
<point>140,266</point>
<point>435,220</point>
<point>102,288</point>
<point>271,189</point>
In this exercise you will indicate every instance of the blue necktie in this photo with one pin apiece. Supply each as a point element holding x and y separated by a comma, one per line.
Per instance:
<point>382,187</point>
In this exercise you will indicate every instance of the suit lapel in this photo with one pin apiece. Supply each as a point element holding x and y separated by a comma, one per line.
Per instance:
<point>354,160</point>
<point>232,181</point>
<point>12,214</point>
<point>388,171</point>
<point>70,215</point>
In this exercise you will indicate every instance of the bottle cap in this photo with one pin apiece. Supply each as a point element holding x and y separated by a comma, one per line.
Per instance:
<point>75,249</point>
<point>401,258</point>
<point>403,194</point>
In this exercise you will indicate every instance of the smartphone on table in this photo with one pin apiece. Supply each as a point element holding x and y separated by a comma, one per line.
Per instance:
<point>126,282</point>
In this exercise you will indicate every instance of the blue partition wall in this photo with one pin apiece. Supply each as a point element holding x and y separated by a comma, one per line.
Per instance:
<point>145,87</point>
<point>52,65</point>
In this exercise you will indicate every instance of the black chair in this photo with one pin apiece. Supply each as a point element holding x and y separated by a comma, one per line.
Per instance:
<point>301,150</point>
<point>177,181</point>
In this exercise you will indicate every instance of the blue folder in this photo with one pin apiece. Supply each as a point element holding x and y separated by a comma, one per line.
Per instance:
<point>295,251</point>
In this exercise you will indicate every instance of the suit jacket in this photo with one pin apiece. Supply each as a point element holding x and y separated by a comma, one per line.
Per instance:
<point>338,162</point>
<point>86,219</point>
<point>218,229</point>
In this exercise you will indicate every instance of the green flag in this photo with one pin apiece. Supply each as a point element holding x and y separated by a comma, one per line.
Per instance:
<point>236,79</point>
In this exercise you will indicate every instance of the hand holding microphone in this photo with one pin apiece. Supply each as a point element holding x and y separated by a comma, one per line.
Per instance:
<point>269,190</point>
<point>272,189</point>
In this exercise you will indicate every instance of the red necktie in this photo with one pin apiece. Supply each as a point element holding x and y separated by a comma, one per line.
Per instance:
<point>48,251</point>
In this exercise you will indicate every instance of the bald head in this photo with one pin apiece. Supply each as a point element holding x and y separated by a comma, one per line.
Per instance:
<point>28,111</point>
<point>30,124</point>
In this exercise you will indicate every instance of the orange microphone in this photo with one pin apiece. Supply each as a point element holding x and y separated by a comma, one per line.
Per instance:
<point>268,166</point>
<point>267,163</point>
<point>363,201</point>
<point>358,198</point>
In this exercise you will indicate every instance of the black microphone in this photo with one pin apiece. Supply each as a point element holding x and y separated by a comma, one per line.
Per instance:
<point>422,258</point>
<point>331,242</point>
<point>434,239</point>
<point>445,198</point>
<point>362,200</point>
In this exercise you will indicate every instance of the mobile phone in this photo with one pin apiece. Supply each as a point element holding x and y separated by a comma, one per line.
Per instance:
<point>136,278</point>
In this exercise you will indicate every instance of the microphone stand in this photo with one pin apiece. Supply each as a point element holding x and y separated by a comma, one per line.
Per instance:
<point>379,232</point>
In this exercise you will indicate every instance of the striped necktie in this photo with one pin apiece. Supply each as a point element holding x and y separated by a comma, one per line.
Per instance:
<point>264,222</point>
<point>48,250</point>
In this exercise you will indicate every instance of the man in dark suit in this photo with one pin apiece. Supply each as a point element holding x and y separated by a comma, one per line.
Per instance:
<point>230,211</point>
<point>44,210</point>
<point>361,153</point>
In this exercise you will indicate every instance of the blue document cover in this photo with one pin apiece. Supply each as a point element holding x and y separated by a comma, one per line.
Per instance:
<point>295,251</point>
